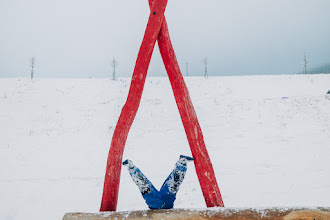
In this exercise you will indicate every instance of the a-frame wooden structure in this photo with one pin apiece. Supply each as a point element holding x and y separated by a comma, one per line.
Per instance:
<point>157,30</point>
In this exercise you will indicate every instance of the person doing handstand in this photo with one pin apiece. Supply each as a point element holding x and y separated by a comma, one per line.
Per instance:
<point>165,197</point>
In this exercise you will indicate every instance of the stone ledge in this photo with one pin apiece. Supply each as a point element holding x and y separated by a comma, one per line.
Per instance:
<point>211,213</point>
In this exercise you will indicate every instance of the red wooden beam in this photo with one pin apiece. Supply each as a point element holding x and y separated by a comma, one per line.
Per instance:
<point>157,28</point>
<point>113,168</point>
<point>203,165</point>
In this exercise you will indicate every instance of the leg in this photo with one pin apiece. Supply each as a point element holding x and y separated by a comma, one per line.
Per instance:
<point>173,181</point>
<point>148,191</point>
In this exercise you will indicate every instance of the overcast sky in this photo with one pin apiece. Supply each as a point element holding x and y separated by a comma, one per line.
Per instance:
<point>79,38</point>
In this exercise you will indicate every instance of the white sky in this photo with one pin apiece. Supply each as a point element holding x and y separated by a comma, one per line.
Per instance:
<point>71,38</point>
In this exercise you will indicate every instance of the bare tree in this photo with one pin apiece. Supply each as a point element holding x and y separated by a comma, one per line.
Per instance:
<point>114,65</point>
<point>205,67</point>
<point>187,64</point>
<point>305,63</point>
<point>32,63</point>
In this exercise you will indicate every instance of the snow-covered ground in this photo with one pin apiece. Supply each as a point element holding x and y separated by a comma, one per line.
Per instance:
<point>268,138</point>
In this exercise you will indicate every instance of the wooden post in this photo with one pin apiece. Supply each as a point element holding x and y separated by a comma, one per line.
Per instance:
<point>113,168</point>
<point>203,165</point>
<point>213,214</point>
<point>157,29</point>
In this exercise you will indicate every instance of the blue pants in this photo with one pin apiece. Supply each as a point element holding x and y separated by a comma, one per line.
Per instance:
<point>165,197</point>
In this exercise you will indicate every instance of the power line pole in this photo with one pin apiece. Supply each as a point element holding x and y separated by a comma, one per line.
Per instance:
<point>187,67</point>
<point>32,62</point>
<point>305,63</point>
<point>114,65</point>
<point>205,67</point>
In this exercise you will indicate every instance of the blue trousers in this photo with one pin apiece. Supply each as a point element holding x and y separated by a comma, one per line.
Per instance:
<point>165,197</point>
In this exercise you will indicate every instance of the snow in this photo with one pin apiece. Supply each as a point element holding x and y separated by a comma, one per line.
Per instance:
<point>268,138</point>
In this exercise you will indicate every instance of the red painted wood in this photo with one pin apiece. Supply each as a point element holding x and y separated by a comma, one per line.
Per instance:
<point>203,165</point>
<point>113,168</point>
<point>157,27</point>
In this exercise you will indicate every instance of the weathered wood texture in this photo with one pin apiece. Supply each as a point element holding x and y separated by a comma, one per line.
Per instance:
<point>203,164</point>
<point>157,30</point>
<point>214,213</point>
<point>113,167</point>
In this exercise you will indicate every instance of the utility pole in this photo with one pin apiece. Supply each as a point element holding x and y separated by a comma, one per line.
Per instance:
<point>205,67</point>
<point>32,62</point>
<point>114,65</point>
<point>305,63</point>
<point>187,67</point>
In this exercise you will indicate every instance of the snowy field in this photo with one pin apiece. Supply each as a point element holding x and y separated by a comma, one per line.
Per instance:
<point>268,138</point>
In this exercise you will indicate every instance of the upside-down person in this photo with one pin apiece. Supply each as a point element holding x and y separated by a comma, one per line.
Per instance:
<point>165,197</point>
